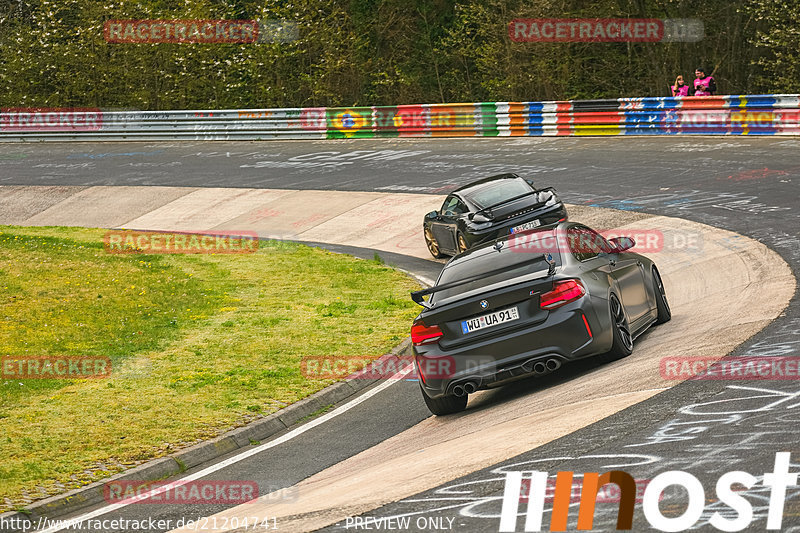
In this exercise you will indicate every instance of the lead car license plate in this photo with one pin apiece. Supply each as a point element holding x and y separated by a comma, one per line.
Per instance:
<point>528,225</point>
<point>488,320</point>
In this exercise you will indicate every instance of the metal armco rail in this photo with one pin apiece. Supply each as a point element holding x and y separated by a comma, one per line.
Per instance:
<point>716,115</point>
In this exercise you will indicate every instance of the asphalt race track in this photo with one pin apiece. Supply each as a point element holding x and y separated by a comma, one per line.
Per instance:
<point>745,185</point>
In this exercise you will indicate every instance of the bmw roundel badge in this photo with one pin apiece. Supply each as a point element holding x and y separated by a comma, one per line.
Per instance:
<point>484,304</point>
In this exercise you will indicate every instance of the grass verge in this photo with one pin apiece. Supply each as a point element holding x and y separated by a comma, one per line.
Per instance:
<point>198,343</point>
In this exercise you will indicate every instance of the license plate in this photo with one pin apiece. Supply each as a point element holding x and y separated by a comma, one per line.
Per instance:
<point>528,225</point>
<point>490,319</point>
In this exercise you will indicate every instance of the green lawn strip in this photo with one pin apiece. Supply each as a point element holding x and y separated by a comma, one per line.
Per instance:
<point>199,344</point>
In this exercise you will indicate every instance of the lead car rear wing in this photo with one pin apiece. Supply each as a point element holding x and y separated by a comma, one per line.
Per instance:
<point>419,296</point>
<point>514,198</point>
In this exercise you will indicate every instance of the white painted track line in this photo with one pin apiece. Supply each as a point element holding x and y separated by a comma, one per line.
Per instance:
<point>240,457</point>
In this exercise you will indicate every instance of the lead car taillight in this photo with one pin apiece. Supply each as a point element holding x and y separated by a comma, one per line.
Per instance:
<point>422,334</point>
<point>563,292</point>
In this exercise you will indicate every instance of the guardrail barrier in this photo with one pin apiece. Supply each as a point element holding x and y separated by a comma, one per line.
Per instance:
<point>714,115</point>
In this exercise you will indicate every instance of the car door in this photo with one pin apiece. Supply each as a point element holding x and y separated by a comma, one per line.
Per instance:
<point>629,273</point>
<point>591,248</point>
<point>444,226</point>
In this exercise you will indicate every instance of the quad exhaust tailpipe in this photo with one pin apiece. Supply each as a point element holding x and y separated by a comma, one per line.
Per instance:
<point>541,367</point>
<point>553,364</point>
<point>465,388</point>
<point>538,368</point>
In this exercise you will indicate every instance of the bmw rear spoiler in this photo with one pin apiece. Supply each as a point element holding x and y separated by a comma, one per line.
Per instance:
<point>418,296</point>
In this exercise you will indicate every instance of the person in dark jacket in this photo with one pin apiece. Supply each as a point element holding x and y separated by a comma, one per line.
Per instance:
<point>704,85</point>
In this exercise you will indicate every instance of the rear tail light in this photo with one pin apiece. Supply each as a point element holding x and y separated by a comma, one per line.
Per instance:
<point>422,334</point>
<point>563,292</point>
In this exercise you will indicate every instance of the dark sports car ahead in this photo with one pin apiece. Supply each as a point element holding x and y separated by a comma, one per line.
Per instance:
<point>527,304</point>
<point>487,209</point>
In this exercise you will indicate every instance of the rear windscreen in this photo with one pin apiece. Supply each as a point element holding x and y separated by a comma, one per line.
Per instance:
<point>511,263</point>
<point>500,191</point>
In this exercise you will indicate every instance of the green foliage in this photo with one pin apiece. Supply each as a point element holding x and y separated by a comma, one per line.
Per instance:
<point>778,36</point>
<point>380,52</point>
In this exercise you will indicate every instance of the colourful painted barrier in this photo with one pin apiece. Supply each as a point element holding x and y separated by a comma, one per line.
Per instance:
<point>716,115</point>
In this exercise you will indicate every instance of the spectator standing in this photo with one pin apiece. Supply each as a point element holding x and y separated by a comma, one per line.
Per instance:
<point>680,88</point>
<point>704,85</point>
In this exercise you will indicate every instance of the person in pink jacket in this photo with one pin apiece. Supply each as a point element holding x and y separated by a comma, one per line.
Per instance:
<point>680,88</point>
<point>704,85</point>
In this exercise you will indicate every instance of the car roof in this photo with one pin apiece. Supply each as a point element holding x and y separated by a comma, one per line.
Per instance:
<point>477,185</point>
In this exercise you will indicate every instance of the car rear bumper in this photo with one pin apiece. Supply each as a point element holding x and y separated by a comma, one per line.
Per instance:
<point>535,350</point>
<point>547,216</point>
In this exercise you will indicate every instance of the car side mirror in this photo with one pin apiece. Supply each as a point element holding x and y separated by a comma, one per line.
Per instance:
<point>621,244</point>
<point>432,214</point>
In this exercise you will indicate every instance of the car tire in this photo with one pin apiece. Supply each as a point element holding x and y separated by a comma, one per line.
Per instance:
<point>461,242</point>
<point>664,312</point>
<point>433,246</point>
<point>622,346</point>
<point>446,405</point>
